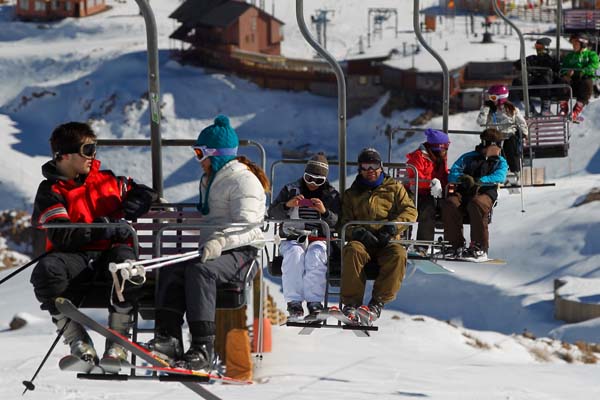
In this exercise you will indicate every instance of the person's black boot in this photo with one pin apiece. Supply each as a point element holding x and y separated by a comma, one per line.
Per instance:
<point>168,341</point>
<point>166,347</point>
<point>200,354</point>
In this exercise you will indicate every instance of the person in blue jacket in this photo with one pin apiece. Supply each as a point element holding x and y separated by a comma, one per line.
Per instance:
<point>473,190</point>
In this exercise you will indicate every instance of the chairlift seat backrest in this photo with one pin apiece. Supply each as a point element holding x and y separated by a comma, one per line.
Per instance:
<point>548,137</point>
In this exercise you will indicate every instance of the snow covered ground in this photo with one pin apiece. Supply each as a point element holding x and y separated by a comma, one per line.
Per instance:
<point>94,69</point>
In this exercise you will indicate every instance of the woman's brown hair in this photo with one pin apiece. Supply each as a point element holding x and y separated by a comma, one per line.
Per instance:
<point>510,108</point>
<point>256,170</point>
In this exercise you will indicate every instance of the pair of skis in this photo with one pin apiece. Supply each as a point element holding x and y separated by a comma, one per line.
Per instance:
<point>362,325</point>
<point>191,379</point>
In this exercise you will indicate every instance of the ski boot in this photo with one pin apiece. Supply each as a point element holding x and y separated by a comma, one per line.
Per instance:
<point>314,307</point>
<point>295,310</point>
<point>577,111</point>
<point>564,107</point>
<point>166,347</point>
<point>350,312</point>
<point>200,354</point>
<point>120,320</point>
<point>546,104</point>
<point>77,338</point>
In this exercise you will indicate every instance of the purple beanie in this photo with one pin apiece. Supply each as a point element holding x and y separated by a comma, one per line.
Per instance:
<point>436,137</point>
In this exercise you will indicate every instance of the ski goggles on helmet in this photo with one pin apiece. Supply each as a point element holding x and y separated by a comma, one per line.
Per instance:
<point>203,152</point>
<point>316,180</point>
<point>369,166</point>
<point>496,97</point>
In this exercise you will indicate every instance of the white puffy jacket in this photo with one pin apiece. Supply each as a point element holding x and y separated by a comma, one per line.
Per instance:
<point>236,195</point>
<point>501,120</point>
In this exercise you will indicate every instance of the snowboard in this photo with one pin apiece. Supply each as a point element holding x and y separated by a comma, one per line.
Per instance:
<point>492,261</point>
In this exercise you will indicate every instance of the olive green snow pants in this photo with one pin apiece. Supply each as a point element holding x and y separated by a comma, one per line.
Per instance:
<point>391,260</point>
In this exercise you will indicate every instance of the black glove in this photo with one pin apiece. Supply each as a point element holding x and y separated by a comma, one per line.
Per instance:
<point>138,201</point>
<point>365,236</point>
<point>490,104</point>
<point>117,234</point>
<point>466,182</point>
<point>385,234</point>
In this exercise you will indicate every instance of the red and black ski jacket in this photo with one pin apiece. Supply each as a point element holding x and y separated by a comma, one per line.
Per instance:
<point>83,199</point>
<point>427,168</point>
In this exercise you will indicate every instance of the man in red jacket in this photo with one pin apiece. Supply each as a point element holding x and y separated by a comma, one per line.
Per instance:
<point>431,162</point>
<point>77,191</point>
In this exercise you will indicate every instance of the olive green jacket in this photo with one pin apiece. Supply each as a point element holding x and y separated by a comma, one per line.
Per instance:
<point>387,202</point>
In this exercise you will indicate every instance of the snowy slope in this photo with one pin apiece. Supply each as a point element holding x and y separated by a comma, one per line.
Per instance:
<point>95,69</point>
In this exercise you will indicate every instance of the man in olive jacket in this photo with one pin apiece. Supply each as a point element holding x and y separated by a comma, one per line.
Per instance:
<point>373,196</point>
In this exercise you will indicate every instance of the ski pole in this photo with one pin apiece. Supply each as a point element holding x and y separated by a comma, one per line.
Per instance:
<point>29,384</point>
<point>22,268</point>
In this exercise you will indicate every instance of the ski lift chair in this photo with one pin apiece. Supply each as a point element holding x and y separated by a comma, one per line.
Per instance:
<point>174,229</point>
<point>549,135</point>
<point>167,229</point>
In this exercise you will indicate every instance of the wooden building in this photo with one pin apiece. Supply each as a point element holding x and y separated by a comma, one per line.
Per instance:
<point>45,10</point>
<point>478,6</point>
<point>227,25</point>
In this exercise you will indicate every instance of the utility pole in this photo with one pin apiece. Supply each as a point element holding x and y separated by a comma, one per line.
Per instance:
<point>380,15</point>
<point>320,21</point>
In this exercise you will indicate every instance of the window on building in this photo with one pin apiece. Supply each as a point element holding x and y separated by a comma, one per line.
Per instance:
<point>363,80</point>
<point>68,6</point>
<point>253,24</point>
<point>24,4</point>
<point>40,6</point>
<point>252,37</point>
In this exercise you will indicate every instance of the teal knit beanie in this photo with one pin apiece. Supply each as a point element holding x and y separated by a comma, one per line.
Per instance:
<point>221,137</point>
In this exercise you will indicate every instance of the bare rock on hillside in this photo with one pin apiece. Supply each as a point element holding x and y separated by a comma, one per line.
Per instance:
<point>17,323</point>
<point>593,195</point>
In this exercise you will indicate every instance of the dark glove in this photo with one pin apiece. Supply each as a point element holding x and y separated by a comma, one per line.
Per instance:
<point>466,182</point>
<point>490,104</point>
<point>138,201</point>
<point>385,234</point>
<point>365,236</point>
<point>117,234</point>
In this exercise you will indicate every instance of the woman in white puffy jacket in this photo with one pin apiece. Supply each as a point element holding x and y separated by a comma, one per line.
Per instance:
<point>232,190</point>
<point>497,112</point>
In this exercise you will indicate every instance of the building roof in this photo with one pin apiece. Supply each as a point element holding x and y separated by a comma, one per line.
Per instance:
<point>192,10</point>
<point>218,13</point>
<point>224,15</point>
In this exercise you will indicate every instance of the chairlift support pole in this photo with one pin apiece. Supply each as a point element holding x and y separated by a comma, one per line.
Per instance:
<point>559,11</point>
<point>521,56</point>
<point>153,94</point>
<point>440,60</point>
<point>341,83</point>
<point>525,87</point>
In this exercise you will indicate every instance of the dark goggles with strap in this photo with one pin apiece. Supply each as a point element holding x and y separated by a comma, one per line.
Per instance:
<point>367,166</point>
<point>488,143</point>
<point>85,150</point>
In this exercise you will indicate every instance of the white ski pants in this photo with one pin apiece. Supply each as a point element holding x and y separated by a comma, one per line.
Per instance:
<point>303,271</point>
